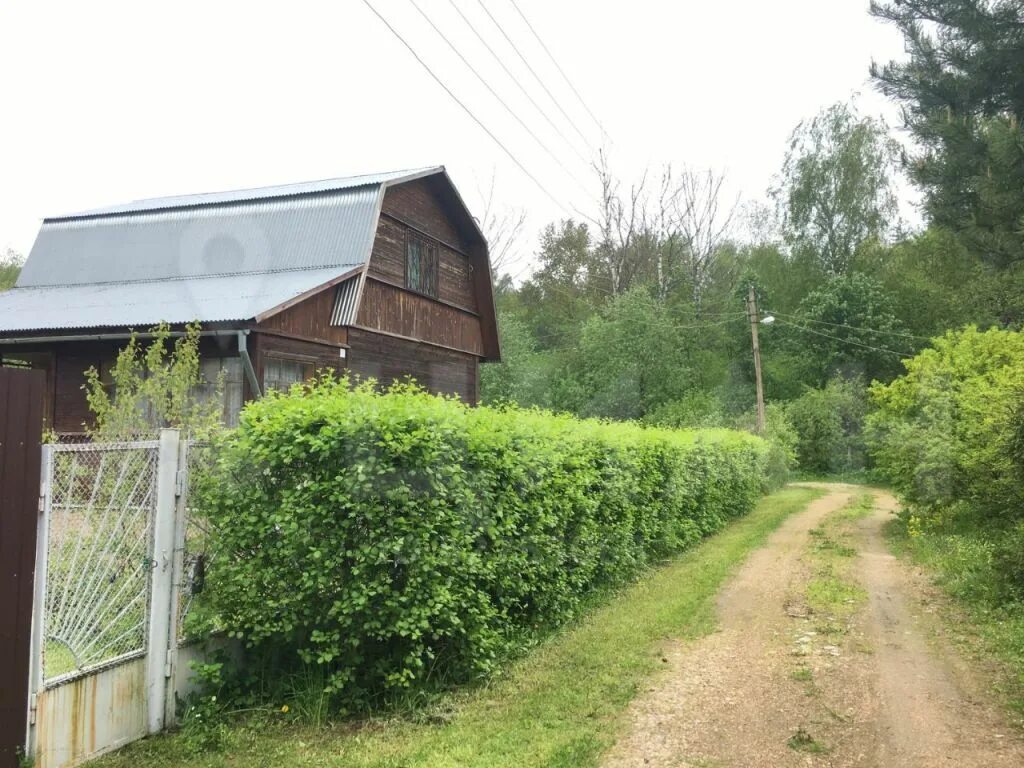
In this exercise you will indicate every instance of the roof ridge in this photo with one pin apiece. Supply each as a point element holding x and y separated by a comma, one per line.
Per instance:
<point>245,194</point>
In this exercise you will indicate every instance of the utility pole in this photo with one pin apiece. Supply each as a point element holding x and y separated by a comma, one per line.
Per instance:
<point>754,321</point>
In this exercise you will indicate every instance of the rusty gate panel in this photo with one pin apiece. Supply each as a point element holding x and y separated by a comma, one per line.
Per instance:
<point>21,427</point>
<point>91,715</point>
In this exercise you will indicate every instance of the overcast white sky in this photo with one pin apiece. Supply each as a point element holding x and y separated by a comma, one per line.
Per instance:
<point>104,102</point>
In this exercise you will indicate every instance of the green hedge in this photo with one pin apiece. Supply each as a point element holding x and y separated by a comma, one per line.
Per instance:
<point>945,432</point>
<point>949,435</point>
<point>403,539</point>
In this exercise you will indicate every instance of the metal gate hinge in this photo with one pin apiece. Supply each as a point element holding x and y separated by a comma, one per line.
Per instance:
<point>167,670</point>
<point>179,482</point>
<point>32,709</point>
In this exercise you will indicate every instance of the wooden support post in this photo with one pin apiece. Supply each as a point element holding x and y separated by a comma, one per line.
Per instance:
<point>754,320</point>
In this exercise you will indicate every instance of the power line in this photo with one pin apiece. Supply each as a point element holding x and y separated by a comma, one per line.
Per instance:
<point>854,327</point>
<point>535,75</point>
<point>501,101</point>
<point>846,341</point>
<point>466,109</point>
<point>560,70</point>
<point>518,83</point>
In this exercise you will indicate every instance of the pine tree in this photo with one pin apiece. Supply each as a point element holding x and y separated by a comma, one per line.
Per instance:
<point>962,93</point>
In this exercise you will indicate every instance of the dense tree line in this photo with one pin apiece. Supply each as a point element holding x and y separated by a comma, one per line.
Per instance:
<point>638,313</point>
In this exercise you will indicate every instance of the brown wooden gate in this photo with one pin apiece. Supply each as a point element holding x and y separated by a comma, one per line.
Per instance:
<point>21,427</point>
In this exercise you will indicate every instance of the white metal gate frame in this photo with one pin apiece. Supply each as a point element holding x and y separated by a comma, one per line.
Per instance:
<point>166,547</point>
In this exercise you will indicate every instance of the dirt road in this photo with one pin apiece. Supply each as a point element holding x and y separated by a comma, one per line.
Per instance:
<point>828,655</point>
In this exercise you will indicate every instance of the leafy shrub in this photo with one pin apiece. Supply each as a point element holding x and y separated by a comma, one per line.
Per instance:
<point>403,540</point>
<point>949,435</point>
<point>829,423</point>
<point>1008,556</point>
<point>948,431</point>
<point>153,385</point>
<point>781,439</point>
<point>694,409</point>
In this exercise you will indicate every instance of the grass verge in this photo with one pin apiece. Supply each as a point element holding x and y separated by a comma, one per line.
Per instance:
<point>982,620</point>
<point>558,706</point>
<point>832,593</point>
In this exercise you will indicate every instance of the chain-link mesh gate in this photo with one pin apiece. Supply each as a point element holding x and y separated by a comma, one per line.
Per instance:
<point>102,500</point>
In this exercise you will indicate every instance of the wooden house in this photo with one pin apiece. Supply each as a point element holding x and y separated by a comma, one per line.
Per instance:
<point>384,275</point>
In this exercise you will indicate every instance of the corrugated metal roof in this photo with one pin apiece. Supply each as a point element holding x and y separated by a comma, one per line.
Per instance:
<point>209,257</point>
<point>321,230</point>
<point>143,304</point>
<point>257,193</point>
<point>346,299</point>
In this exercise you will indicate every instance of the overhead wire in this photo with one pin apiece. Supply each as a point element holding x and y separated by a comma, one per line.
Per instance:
<point>465,108</point>
<point>518,82</point>
<point>560,70</point>
<point>846,341</point>
<point>852,327</point>
<point>536,77</point>
<point>495,94</point>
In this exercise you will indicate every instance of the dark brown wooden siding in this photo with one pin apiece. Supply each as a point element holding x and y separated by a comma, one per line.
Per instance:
<point>321,355</point>
<point>310,319</point>
<point>70,407</point>
<point>455,275</point>
<point>419,203</point>
<point>397,311</point>
<point>387,359</point>
<point>66,398</point>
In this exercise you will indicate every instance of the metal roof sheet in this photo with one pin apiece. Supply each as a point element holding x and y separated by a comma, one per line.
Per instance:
<point>142,304</point>
<point>210,257</point>
<point>346,302</point>
<point>310,232</point>
<point>256,193</point>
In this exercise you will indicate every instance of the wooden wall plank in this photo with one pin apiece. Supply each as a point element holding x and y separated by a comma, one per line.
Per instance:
<point>310,319</point>
<point>419,203</point>
<point>321,355</point>
<point>455,274</point>
<point>393,310</point>
<point>388,359</point>
<point>72,359</point>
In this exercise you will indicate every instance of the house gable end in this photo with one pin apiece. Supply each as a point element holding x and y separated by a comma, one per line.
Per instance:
<point>459,313</point>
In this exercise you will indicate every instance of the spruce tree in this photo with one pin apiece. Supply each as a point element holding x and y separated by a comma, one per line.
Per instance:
<point>962,93</point>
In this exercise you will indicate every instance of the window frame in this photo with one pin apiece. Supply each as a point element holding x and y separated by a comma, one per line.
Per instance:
<point>286,357</point>
<point>429,256</point>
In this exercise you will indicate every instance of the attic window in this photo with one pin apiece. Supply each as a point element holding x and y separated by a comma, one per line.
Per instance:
<point>421,266</point>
